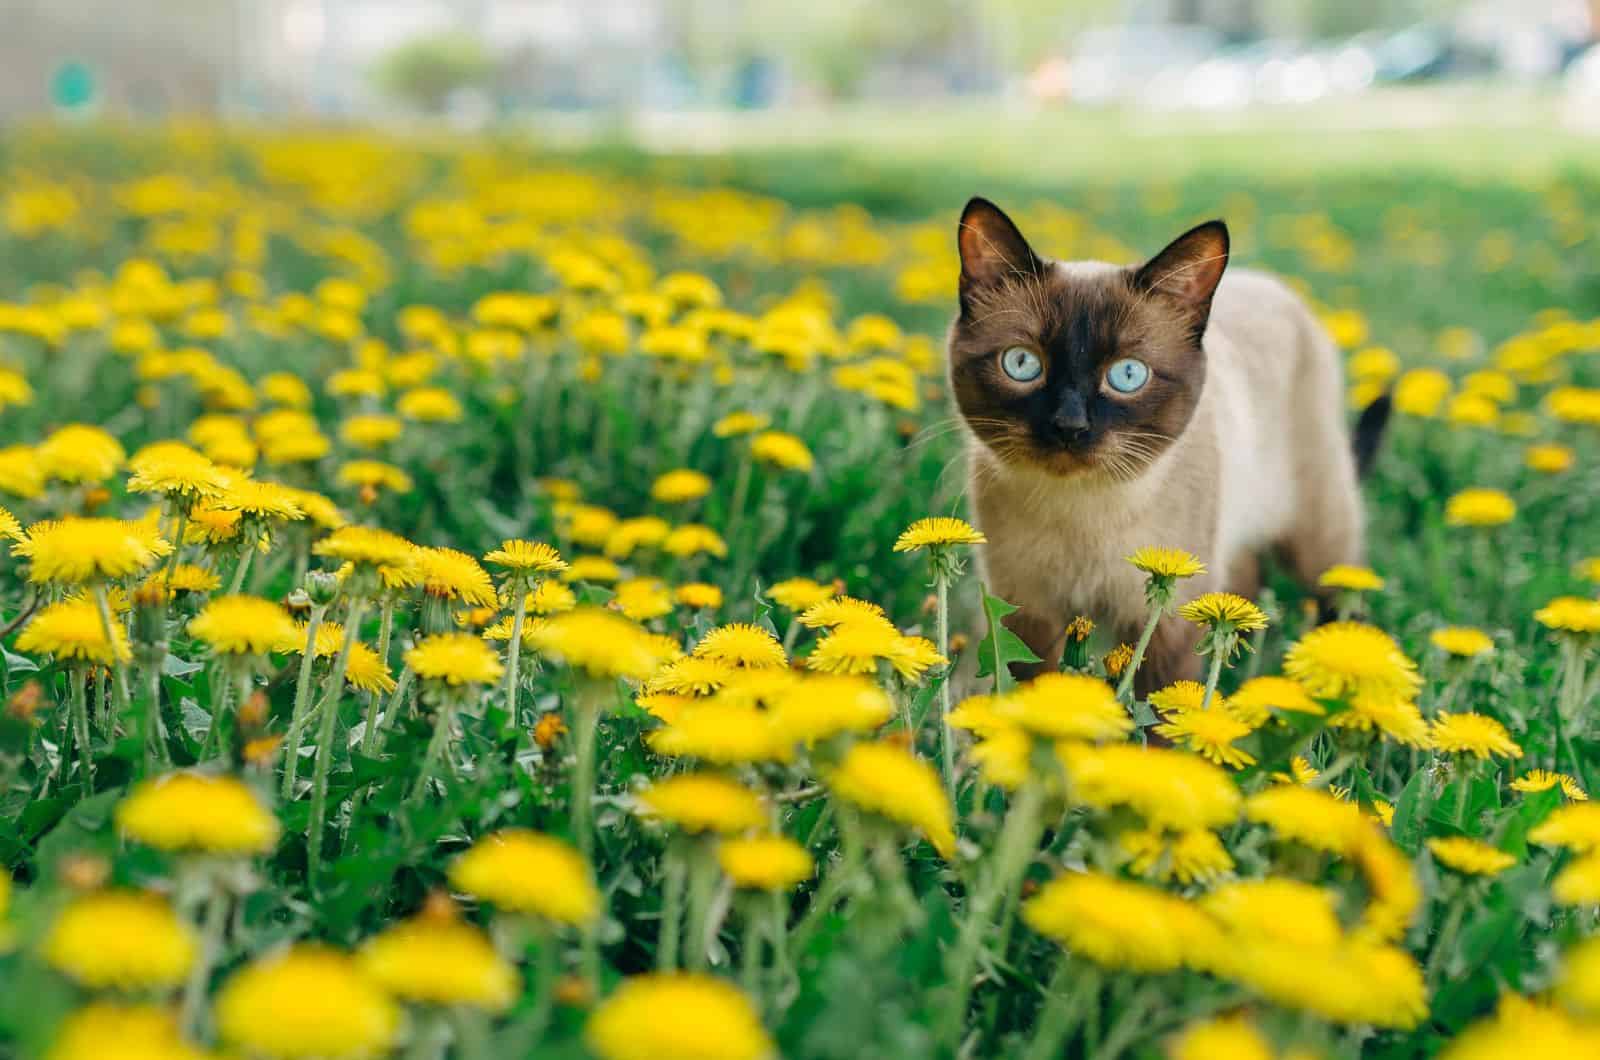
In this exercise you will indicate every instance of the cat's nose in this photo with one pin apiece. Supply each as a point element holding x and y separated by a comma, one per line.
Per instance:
<point>1071,419</point>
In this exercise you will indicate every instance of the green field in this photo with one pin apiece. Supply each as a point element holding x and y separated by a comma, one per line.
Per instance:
<point>702,809</point>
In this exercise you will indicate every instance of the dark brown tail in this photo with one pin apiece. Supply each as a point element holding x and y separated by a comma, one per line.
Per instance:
<point>1369,432</point>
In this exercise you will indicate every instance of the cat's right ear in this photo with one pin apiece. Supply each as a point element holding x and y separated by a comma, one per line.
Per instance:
<point>992,249</point>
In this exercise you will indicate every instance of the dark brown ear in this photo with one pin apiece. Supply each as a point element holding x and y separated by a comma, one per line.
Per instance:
<point>992,250</point>
<point>1188,270</point>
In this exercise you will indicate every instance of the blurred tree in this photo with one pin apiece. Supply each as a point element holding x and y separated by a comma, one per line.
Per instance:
<point>424,71</point>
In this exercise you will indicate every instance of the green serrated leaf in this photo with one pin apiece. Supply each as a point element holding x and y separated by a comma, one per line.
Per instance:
<point>1001,647</point>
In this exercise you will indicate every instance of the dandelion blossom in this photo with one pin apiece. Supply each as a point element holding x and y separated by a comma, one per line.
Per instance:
<point>1170,789</point>
<point>1474,734</point>
<point>245,625</point>
<point>306,1002</point>
<point>123,939</point>
<point>1463,642</point>
<point>724,733</point>
<point>1544,780</point>
<point>677,1016</point>
<point>601,643</point>
<point>703,802</point>
<point>797,594</point>
<point>1470,856</point>
<point>521,871</point>
<point>1211,734</point>
<point>527,557</point>
<point>1351,578</point>
<point>79,550</point>
<point>680,486</point>
<point>440,960</point>
<point>1056,706</point>
<point>1259,696</point>
<point>887,779</point>
<point>1306,815</point>
<point>186,812</point>
<point>1480,507</point>
<point>1575,826</point>
<point>72,630</point>
<point>821,707</point>
<point>104,1030</point>
<point>741,644</point>
<point>1224,610</point>
<point>455,659</point>
<point>1567,614</point>
<point>936,532</point>
<point>1345,658</point>
<point>1167,562</point>
<point>783,451</point>
<point>766,863</point>
<point>1118,924</point>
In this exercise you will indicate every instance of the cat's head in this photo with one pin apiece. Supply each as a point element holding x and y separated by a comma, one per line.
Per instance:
<point>1079,367</point>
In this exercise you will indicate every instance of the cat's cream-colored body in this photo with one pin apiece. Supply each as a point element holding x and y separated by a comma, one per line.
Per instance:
<point>1264,463</point>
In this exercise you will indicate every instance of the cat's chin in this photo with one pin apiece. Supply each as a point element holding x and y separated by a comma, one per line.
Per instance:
<point>1056,463</point>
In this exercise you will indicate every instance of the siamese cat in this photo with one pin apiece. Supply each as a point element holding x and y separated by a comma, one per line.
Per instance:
<point>1108,408</point>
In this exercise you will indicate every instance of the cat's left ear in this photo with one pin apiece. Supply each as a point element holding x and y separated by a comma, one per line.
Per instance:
<point>1188,270</point>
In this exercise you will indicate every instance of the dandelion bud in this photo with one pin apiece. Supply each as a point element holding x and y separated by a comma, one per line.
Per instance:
<point>253,714</point>
<point>321,587</point>
<point>24,702</point>
<point>549,729</point>
<point>439,906</point>
<point>84,872</point>
<point>958,643</point>
<point>574,991</point>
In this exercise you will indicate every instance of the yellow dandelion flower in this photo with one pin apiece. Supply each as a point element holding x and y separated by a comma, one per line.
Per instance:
<point>527,557</point>
<point>72,630</point>
<point>1275,909</point>
<point>21,473</point>
<point>374,474</point>
<point>1178,697</point>
<point>642,599</point>
<point>430,404</point>
<point>551,598</point>
<point>737,423</point>
<point>938,532</point>
<point>1169,789</point>
<point>14,389</point>
<point>1196,856</point>
<point>79,453</point>
<point>1308,816</point>
<point>1222,1038</point>
<point>1575,826</point>
<point>1544,780</point>
<point>1521,1027</point>
<point>1474,734</point>
<point>1470,856</point>
<point>797,594</point>
<point>1118,924</point>
<point>284,388</point>
<point>701,596</point>
<point>212,526</point>
<point>765,862</point>
<point>174,470</point>
<point>819,708</point>
<point>1210,734</point>
<point>1343,659</point>
<point>1421,392</point>
<point>629,535</point>
<point>703,802</point>
<point>258,499</point>
<point>1579,986</point>
<point>677,1016</point>
<point>369,546</point>
<point>693,539</point>
<point>911,657</point>
<point>183,578</point>
<point>741,644</point>
<point>455,659</point>
<point>1395,717</point>
<point>199,813</point>
<point>722,733</point>
<point>1579,882</point>
<point>691,676</point>
<point>601,643</point>
<point>680,486</point>
<point>78,550</point>
<point>440,960</point>
<point>521,871</point>
<point>888,780</point>
<point>104,1030</point>
<point>1480,507</point>
<point>1346,982</point>
<point>855,647</point>
<point>9,527</point>
<point>1167,562</point>
<point>597,569</point>
<point>1056,706</point>
<point>1259,696</point>
<point>783,451</point>
<point>1117,659</point>
<point>1549,459</point>
<point>306,1002</point>
<point>370,430</point>
<point>245,625</point>
<point>455,576</point>
<point>1567,614</point>
<point>588,524</point>
<point>123,939</point>
<point>1224,610</point>
<point>1461,641</point>
<point>1351,579</point>
<point>842,611</point>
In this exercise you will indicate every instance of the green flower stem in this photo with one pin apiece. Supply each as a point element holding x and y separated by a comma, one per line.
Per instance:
<point>241,570</point>
<point>77,678</point>
<point>778,936</point>
<point>1071,989</point>
<point>1440,954</point>
<point>212,925</point>
<point>1013,850</point>
<point>673,872</point>
<point>369,731</point>
<point>102,708</point>
<point>702,889</point>
<point>845,876</point>
<point>444,720</point>
<point>302,697</point>
<point>546,966</point>
<point>947,758</point>
<point>1130,1022</point>
<point>118,673</point>
<point>1573,684</point>
<point>325,737</point>
<point>514,654</point>
<point>741,496</point>
<point>177,543</point>
<point>1219,653</point>
<point>750,954</point>
<point>150,720</point>
<point>471,1033</point>
<point>402,689</point>
<point>1463,791</point>
<point>1125,686</point>
<point>583,774</point>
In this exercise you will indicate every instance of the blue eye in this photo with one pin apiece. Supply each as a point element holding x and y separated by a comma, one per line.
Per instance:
<point>1128,375</point>
<point>1022,365</point>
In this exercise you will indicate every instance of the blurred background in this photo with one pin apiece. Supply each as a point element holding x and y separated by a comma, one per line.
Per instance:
<point>703,74</point>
